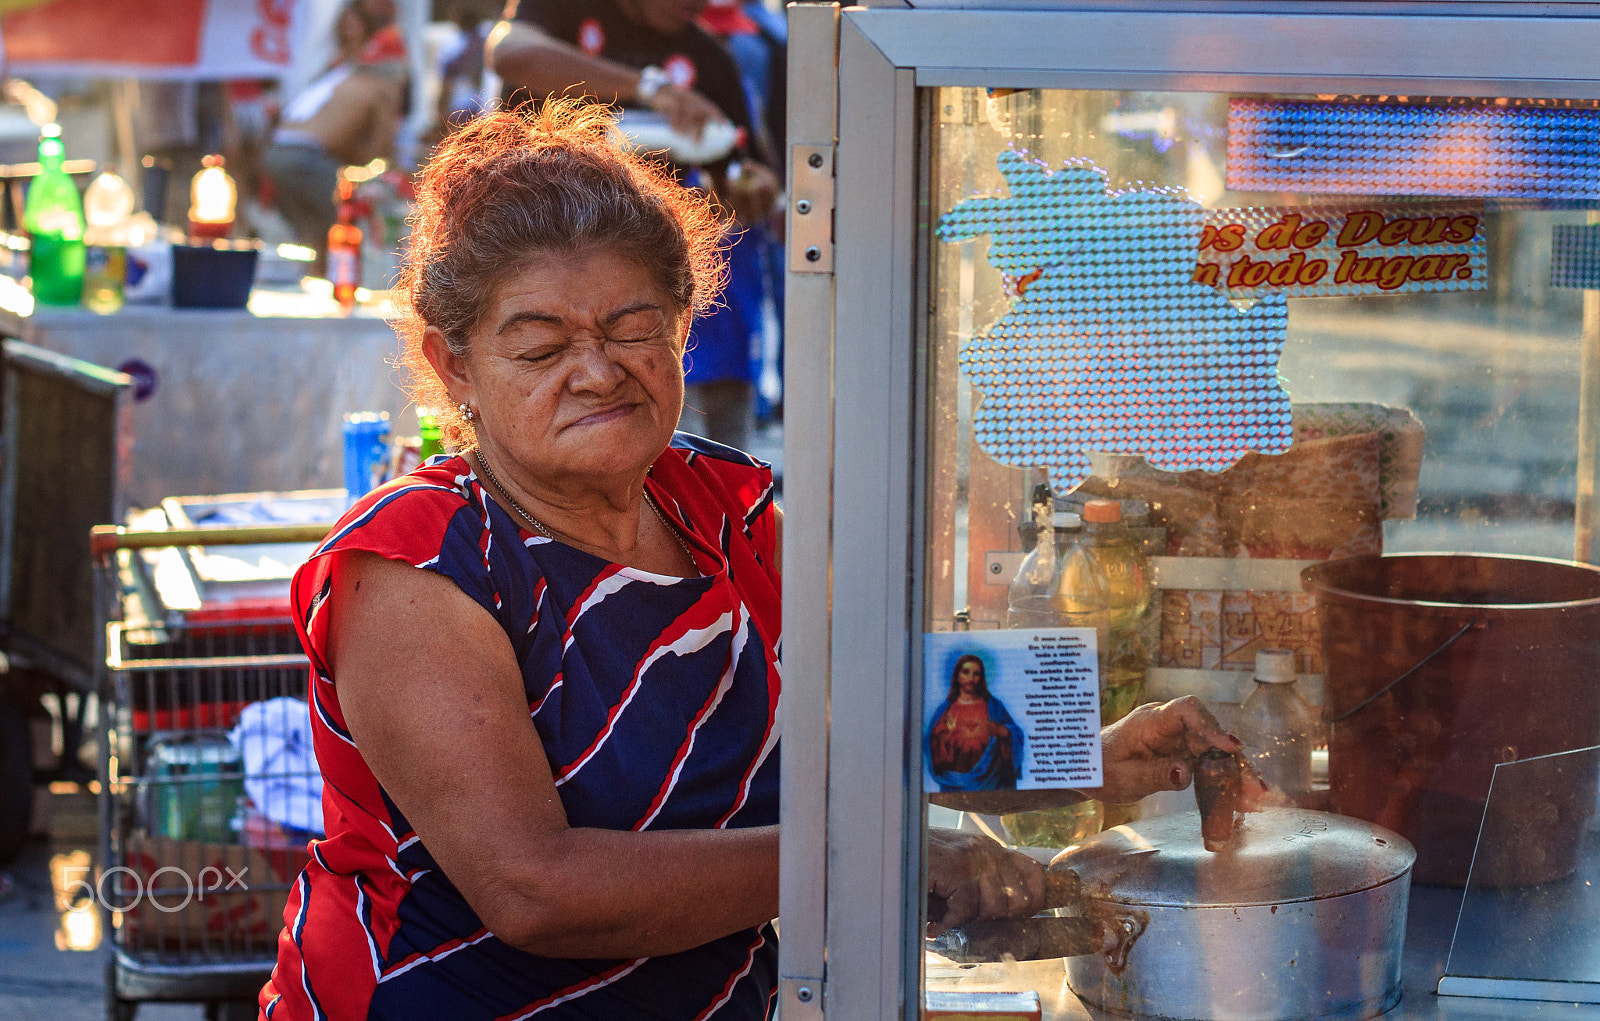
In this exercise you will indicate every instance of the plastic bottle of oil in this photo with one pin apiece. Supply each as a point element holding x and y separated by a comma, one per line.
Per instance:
<point>1082,598</point>
<point>1128,581</point>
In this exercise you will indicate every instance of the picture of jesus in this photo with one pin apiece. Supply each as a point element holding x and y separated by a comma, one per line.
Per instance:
<point>973,743</point>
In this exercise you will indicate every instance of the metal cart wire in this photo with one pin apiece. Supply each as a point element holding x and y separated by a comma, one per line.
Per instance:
<point>206,782</point>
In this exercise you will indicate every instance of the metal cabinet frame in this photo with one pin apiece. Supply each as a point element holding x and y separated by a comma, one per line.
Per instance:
<point>857,385</point>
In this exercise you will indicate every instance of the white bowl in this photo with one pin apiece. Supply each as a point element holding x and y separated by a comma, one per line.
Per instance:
<point>651,132</point>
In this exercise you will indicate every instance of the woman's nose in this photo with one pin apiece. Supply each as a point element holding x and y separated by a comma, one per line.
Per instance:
<point>593,369</point>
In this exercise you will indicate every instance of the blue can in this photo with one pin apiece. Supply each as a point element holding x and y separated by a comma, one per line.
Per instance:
<point>366,445</point>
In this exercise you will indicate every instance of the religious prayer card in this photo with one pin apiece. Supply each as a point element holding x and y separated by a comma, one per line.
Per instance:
<point>1011,710</point>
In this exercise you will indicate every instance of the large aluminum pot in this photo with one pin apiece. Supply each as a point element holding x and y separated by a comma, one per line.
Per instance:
<point>1302,915</point>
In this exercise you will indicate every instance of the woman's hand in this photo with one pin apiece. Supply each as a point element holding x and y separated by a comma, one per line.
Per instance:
<point>979,878</point>
<point>1154,747</point>
<point>686,110</point>
<point>750,195</point>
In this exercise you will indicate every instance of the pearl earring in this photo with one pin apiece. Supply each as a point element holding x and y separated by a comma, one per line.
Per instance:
<point>466,411</point>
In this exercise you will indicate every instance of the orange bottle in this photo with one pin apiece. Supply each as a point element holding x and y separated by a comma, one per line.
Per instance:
<point>344,249</point>
<point>213,201</point>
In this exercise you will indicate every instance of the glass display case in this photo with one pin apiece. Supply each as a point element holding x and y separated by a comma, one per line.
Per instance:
<point>1248,353</point>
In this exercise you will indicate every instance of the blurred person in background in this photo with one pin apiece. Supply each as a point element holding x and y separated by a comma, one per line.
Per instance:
<point>651,55</point>
<point>758,39</point>
<point>347,116</point>
<point>463,81</point>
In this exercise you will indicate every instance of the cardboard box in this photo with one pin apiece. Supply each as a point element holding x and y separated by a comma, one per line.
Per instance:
<point>208,900</point>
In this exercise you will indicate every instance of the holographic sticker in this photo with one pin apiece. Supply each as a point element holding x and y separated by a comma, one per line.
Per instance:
<point>1321,251</point>
<point>1575,257</point>
<point>1110,345</point>
<point>1361,148</point>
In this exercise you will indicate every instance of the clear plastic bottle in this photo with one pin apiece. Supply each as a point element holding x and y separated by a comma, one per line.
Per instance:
<point>1128,582</point>
<point>1028,605</point>
<point>108,207</point>
<point>1276,726</point>
<point>53,216</point>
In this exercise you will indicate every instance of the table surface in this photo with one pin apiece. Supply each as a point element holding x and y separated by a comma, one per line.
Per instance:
<point>230,401</point>
<point>20,315</point>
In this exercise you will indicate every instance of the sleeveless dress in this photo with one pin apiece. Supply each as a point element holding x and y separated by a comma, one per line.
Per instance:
<point>656,699</point>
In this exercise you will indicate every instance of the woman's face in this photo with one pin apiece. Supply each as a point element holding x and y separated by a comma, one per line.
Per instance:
<point>575,370</point>
<point>969,676</point>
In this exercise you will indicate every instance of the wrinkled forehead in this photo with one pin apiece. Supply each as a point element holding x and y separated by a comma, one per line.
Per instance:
<point>579,284</point>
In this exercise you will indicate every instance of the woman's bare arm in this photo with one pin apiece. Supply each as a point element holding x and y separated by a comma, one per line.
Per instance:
<point>527,57</point>
<point>433,697</point>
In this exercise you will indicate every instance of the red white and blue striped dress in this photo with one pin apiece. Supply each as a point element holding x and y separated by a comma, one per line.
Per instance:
<point>656,699</point>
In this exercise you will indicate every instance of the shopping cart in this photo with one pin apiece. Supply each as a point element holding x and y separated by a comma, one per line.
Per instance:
<point>207,781</point>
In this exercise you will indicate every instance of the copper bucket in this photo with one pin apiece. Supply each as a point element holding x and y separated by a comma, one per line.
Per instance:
<point>1441,666</point>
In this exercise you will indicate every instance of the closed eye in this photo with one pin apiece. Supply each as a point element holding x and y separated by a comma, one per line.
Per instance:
<point>636,323</point>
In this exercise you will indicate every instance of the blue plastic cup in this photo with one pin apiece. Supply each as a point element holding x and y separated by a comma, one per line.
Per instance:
<point>366,441</point>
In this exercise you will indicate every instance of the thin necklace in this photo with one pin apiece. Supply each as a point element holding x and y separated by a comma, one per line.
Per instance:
<point>483,462</point>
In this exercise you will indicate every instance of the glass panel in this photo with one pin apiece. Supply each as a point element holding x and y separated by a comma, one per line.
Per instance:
<point>1239,388</point>
<point>1536,941</point>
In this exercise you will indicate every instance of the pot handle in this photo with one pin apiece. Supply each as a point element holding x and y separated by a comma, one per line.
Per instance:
<point>1424,661</point>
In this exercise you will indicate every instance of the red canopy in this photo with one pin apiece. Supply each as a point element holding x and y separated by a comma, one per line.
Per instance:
<point>216,39</point>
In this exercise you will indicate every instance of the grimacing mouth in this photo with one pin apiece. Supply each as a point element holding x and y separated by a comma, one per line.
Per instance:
<point>629,404</point>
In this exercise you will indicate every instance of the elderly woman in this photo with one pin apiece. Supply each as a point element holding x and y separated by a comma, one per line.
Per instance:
<point>545,684</point>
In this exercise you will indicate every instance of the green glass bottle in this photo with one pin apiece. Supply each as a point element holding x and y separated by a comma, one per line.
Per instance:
<point>53,217</point>
<point>428,432</point>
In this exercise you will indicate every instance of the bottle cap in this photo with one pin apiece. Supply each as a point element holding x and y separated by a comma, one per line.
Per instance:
<point>1102,511</point>
<point>1067,519</point>
<point>1275,666</point>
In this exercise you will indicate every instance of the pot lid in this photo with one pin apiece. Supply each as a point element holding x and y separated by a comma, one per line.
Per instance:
<point>1277,856</point>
